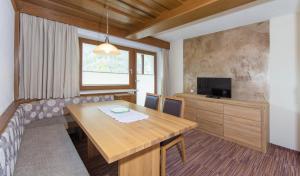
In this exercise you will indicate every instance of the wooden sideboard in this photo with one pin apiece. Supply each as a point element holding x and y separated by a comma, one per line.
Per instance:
<point>126,97</point>
<point>242,122</point>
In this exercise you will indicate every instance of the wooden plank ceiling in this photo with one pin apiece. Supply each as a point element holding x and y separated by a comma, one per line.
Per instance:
<point>134,19</point>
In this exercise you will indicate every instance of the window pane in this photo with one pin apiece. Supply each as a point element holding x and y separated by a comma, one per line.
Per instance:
<point>139,64</point>
<point>104,70</point>
<point>148,64</point>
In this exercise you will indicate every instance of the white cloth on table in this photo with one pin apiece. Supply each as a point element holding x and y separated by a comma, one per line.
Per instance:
<point>125,117</point>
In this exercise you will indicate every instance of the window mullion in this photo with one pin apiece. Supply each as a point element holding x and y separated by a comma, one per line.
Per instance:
<point>143,64</point>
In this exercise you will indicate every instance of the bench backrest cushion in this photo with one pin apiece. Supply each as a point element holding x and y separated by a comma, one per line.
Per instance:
<point>56,107</point>
<point>10,139</point>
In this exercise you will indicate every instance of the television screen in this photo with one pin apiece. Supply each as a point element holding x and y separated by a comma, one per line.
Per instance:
<point>217,87</point>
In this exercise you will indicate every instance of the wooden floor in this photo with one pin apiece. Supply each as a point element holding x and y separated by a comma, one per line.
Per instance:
<point>208,155</point>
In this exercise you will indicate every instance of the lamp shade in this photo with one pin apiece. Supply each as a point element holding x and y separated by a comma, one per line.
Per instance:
<point>106,49</point>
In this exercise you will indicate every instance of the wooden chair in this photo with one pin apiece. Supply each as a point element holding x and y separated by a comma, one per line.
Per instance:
<point>173,106</point>
<point>152,101</point>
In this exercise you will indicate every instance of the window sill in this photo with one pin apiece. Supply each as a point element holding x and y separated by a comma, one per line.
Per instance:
<point>92,92</point>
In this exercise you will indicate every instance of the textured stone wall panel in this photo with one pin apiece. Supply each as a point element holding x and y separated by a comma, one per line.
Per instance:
<point>240,53</point>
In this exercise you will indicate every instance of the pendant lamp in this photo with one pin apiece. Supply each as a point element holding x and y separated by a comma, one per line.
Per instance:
<point>106,49</point>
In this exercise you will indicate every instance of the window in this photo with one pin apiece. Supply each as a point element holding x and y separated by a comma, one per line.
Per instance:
<point>149,65</point>
<point>97,70</point>
<point>145,64</point>
<point>103,72</point>
<point>145,75</point>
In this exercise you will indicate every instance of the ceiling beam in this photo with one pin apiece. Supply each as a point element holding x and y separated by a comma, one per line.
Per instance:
<point>189,11</point>
<point>50,14</point>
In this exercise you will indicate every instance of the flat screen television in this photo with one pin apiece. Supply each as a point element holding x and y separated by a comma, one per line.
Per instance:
<point>214,87</point>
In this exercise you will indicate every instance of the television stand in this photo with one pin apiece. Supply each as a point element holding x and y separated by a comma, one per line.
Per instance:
<point>242,122</point>
<point>213,96</point>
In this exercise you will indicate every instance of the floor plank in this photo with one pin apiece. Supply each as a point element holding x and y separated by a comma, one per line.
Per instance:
<point>210,156</point>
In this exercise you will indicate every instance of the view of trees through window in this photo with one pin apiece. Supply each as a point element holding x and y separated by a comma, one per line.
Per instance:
<point>104,64</point>
<point>104,70</point>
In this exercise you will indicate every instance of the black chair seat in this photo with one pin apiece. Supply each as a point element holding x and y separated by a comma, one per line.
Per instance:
<point>152,101</point>
<point>173,107</point>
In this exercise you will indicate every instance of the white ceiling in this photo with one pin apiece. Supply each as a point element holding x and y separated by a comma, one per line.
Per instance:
<point>253,13</point>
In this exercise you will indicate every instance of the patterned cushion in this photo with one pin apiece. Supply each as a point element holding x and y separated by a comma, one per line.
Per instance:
<point>56,107</point>
<point>10,139</point>
<point>33,110</point>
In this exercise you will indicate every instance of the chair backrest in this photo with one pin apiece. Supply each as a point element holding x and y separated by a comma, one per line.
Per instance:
<point>152,101</point>
<point>174,106</point>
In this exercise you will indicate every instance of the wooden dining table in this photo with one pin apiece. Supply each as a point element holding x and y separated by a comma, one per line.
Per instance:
<point>136,145</point>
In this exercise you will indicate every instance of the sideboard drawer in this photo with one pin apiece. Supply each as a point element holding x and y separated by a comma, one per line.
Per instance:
<point>205,105</point>
<point>210,116</point>
<point>190,114</point>
<point>210,127</point>
<point>243,112</point>
<point>244,131</point>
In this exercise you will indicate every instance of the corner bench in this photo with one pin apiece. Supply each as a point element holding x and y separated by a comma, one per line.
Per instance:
<point>35,141</point>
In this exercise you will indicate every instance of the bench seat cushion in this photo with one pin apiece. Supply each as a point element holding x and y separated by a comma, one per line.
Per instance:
<point>48,121</point>
<point>48,151</point>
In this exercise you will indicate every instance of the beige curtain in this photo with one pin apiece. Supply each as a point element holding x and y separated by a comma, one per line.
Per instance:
<point>165,77</point>
<point>49,59</point>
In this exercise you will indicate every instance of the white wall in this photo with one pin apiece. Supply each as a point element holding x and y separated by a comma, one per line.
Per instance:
<point>284,81</point>
<point>7,18</point>
<point>176,67</point>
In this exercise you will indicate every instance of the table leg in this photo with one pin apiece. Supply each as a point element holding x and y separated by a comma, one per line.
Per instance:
<point>143,163</point>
